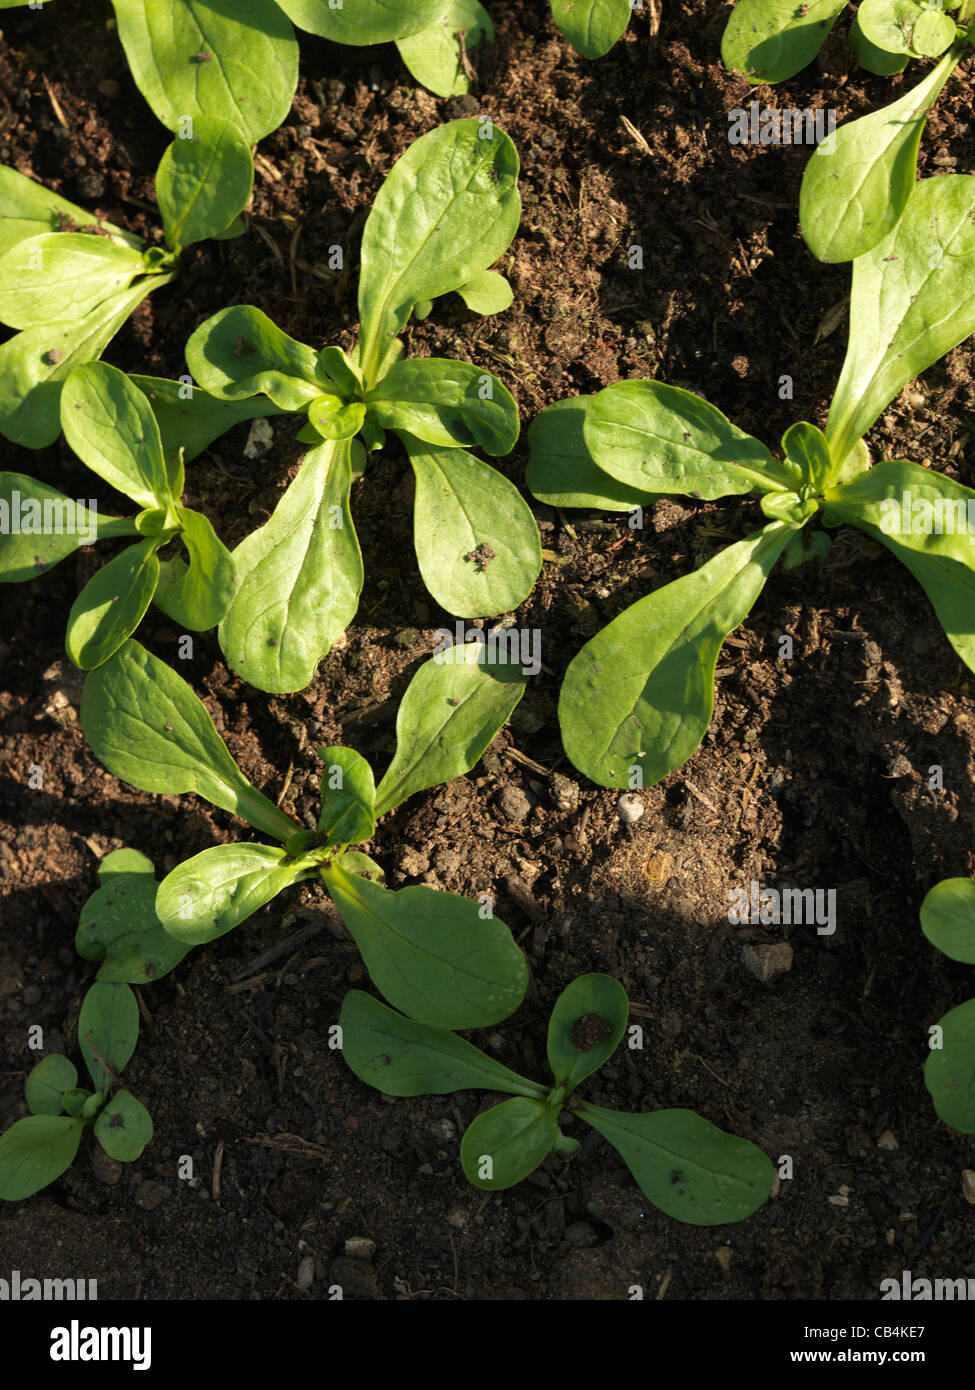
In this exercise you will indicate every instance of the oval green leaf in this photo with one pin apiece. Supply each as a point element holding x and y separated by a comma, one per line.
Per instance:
<point>124,1127</point>
<point>112,605</point>
<point>641,692</point>
<point>770,40</point>
<point>433,955</point>
<point>587,1023</point>
<point>433,54</point>
<point>239,352</point>
<point>402,1058</point>
<point>348,797</point>
<point>39,527</point>
<point>561,471</point>
<point>948,918</point>
<point>35,1151</point>
<point>506,1143</point>
<point>447,403</point>
<point>63,275</point>
<point>109,424</point>
<point>198,595</point>
<point>47,1083</point>
<point>591,26</point>
<point>686,1166</point>
<point>364,21</point>
<point>108,1030</point>
<point>949,1072</point>
<point>203,181</point>
<point>210,894</point>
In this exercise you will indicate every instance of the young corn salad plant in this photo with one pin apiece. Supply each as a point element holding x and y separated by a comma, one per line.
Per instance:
<point>685,1166</point>
<point>860,178</point>
<point>69,282</point>
<point>448,209</point>
<point>637,699</point>
<point>948,921</point>
<point>109,423</point>
<point>35,1151</point>
<point>442,959</point>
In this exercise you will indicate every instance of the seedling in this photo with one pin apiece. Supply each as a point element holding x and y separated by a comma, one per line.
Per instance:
<point>119,927</point>
<point>858,182</point>
<point>447,210</point>
<point>110,425</point>
<point>441,958</point>
<point>637,699</point>
<point>684,1165</point>
<point>948,921</point>
<point>37,1150</point>
<point>69,282</point>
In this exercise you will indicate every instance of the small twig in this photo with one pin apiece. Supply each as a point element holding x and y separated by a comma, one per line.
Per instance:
<point>55,104</point>
<point>286,784</point>
<point>217,1165</point>
<point>293,1144</point>
<point>281,949</point>
<point>700,796</point>
<point>103,1060</point>
<point>465,62</point>
<point>517,757</point>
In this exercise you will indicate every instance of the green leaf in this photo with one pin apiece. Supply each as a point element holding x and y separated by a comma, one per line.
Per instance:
<point>686,1166</point>
<point>28,209</point>
<point>660,439</point>
<point>506,1143</point>
<point>948,918</point>
<point>877,60</point>
<point>433,54</point>
<point>47,1083</point>
<point>203,181</point>
<point>364,21</point>
<point>197,596</point>
<point>118,924</point>
<point>806,446</point>
<point>446,403</point>
<point>487,293</point>
<point>358,863</point>
<point>190,419</point>
<point>34,1152</point>
<point>332,418</point>
<point>124,899</point>
<point>146,725</point>
<point>770,40</point>
<point>587,1023</point>
<point>109,424</point>
<point>239,352</point>
<point>215,891</point>
<point>335,365</point>
<point>348,797</point>
<point>859,179</point>
<point>433,955</point>
<point>913,300</point>
<point>935,543</point>
<point>108,1030</point>
<point>63,275</point>
<point>477,544</point>
<point>447,210</point>
<point>933,32</point>
<point>35,364</point>
<point>949,1072</point>
<point>452,709</point>
<point>124,1127</point>
<point>561,471</point>
<point>299,577</point>
<point>77,1100</point>
<point>591,26</point>
<point>887,24</point>
<point>237,59</point>
<point>403,1058</point>
<point>39,527</point>
<point>112,605</point>
<point>640,694</point>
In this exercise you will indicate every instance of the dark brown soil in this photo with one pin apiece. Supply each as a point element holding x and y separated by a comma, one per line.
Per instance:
<point>815,770</point>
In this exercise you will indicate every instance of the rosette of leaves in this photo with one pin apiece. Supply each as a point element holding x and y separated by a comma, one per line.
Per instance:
<point>37,1150</point>
<point>448,209</point>
<point>637,699</point>
<point>684,1165</point>
<point>110,425</point>
<point>858,181</point>
<point>439,957</point>
<point>68,281</point>
<point>948,921</point>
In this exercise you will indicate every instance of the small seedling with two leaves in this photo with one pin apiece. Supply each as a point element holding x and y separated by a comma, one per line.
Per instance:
<point>37,1150</point>
<point>443,959</point>
<point>110,424</point>
<point>858,182</point>
<point>637,699</point>
<point>948,921</point>
<point>68,282</point>
<point>684,1165</point>
<point>448,209</point>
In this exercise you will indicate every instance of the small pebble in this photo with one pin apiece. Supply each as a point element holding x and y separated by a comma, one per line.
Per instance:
<point>723,1256</point>
<point>150,1194</point>
<point>360,1247</point>
<point>260,438</point>
<point>765,962</point>
<point>107,1170</point>
<point>887,1140</point>
<point>629,808</point>
<point>565,793</point>
<point>306,1272</point>
<point>514,804</point>
<point>968,1185</point>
